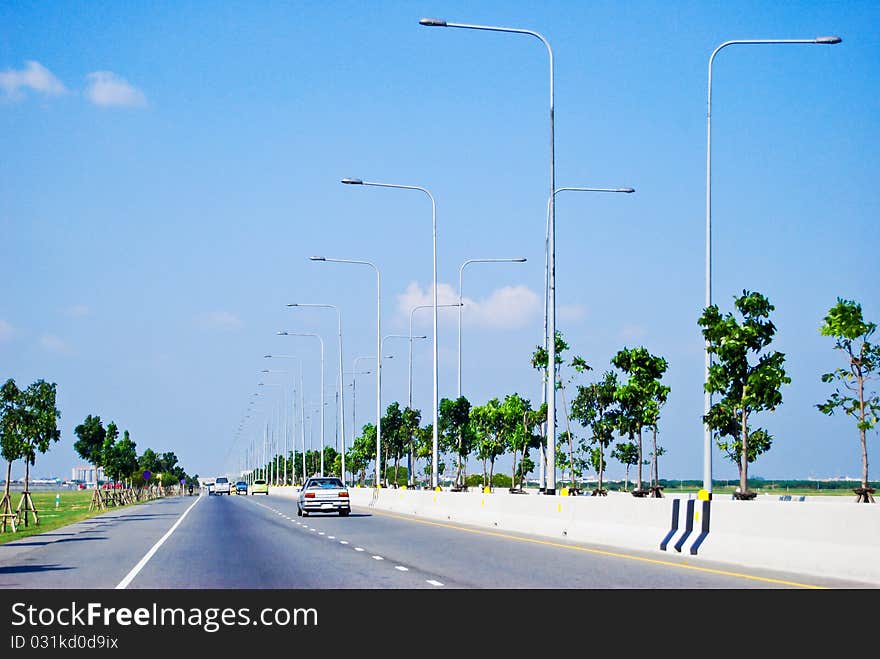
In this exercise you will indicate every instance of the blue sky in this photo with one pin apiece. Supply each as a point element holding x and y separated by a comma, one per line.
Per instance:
<point>169,167</point>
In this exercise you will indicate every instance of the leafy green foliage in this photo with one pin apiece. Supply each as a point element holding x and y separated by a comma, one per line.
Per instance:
<point>90,443</point>
<point>852,335</point>
<point>745,386</point>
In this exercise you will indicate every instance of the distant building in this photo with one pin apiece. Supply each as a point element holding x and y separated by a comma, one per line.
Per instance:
<point>87,474</point>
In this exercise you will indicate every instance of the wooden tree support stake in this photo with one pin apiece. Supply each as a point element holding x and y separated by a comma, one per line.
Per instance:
<point>25,506</point>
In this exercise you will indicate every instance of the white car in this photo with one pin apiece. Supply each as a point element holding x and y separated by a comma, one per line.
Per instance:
<point>323,494</point>
<point>221,486</point>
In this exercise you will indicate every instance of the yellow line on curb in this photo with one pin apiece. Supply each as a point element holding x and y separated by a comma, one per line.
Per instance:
<point>600,551</point>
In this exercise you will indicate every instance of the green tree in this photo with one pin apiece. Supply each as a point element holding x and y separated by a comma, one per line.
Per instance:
<point>540,358</point>
<point>108,450</point>
<point>12,428</point>
<point>411,418</point>
<point>745,386</point>
<point>393,439</point>
<point>455,432</point>
<point>488,424</point>
<point>90,442</point>
<point>627,453</point>
<point>42,417</point>
<point>593,407</point>
<point>362,452</point>
<point>150,461</point>
<point>636,394</point>
<point>120,458</point>
<point>852,337</point>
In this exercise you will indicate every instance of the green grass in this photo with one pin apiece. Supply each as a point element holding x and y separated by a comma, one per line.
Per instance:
<point>73,506</point>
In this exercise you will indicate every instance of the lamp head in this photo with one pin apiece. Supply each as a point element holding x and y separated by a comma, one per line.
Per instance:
<point>293,305</point>
<point>282,333</point>
<point>352,181</point>
<point>432,22</point>
<point>828,40</point>
<point>627,190</point>
<point>266,356</point>
<point>521,259</point>
<point>317,258</point>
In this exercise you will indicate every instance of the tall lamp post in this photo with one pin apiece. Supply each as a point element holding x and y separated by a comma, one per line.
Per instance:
<point>547,473</point>
<point>551,349</point>
<point>302,429</point>
<point>287,435</point>
<point>321,341</point>
<point>707,432</point>
<point>341,397</point>
<point>378,349</point>
<point>357,181</point>
<point>277,426</point>
<point>461,304</point>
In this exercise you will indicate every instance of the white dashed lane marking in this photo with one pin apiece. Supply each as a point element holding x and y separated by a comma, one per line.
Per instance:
<point>376,557</point>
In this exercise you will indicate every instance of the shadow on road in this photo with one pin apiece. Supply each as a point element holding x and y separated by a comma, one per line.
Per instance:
<point>53,542</point>
<point>19,569</point>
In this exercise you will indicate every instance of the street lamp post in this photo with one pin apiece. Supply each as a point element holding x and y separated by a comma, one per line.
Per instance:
<point>357,181</point>
<point>288,435</point>
<point>547,468</point>
<point>378,349</point>
<point>551,350</point>
<point>461,304</point>
<point>707,401</point>
<point>302,429</point>
<point>274,444</point>
<point>321,341</point>
<point>409,375</point>
<point>341,397</point>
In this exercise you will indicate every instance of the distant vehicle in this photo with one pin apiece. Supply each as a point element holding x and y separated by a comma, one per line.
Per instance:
<point>221,486</point>
<point>260,486</point>
<point>323,494</point>
<point>241,487</point>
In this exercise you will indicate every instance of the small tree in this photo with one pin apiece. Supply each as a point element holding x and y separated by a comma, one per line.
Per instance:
<point>852,337</point>
<point>745,387</point>
<point>11,438</point>
<point>90,443</point>
<point>488,424</point>
<point>455,432</point>
<point>627,453</point>
<point>592,407</point>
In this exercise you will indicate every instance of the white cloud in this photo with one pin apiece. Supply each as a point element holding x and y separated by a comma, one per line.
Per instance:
<point>7,331</point>
<point>52,343</point>
<point>219,320</point>
<point>78,310</point>
<point>107,89</point>
<point>33,76</point>
<point>508,307</point>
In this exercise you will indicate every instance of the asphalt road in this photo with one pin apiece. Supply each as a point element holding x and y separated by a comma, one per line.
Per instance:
<point>239,542</point>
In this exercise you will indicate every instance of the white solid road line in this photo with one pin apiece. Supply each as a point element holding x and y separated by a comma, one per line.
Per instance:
<point>378,558</point>
<point>434,583</point>
<point>401,568</point>
<point>122,585</point>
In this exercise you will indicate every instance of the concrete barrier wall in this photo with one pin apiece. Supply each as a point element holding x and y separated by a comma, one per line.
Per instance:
<point>841,541</point>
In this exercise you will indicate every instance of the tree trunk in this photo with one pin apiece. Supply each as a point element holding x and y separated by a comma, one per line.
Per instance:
<point>568,430</point>
<point>639,470</point>
<point>862,431</point>
<point>626,480</point>
<point>744,471</point>
<point>513,471</point>
<point>601,464</point>
<point>484,472</point>
<point>8,476</point>
<point>656,476</point>
<point>491,472</point>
